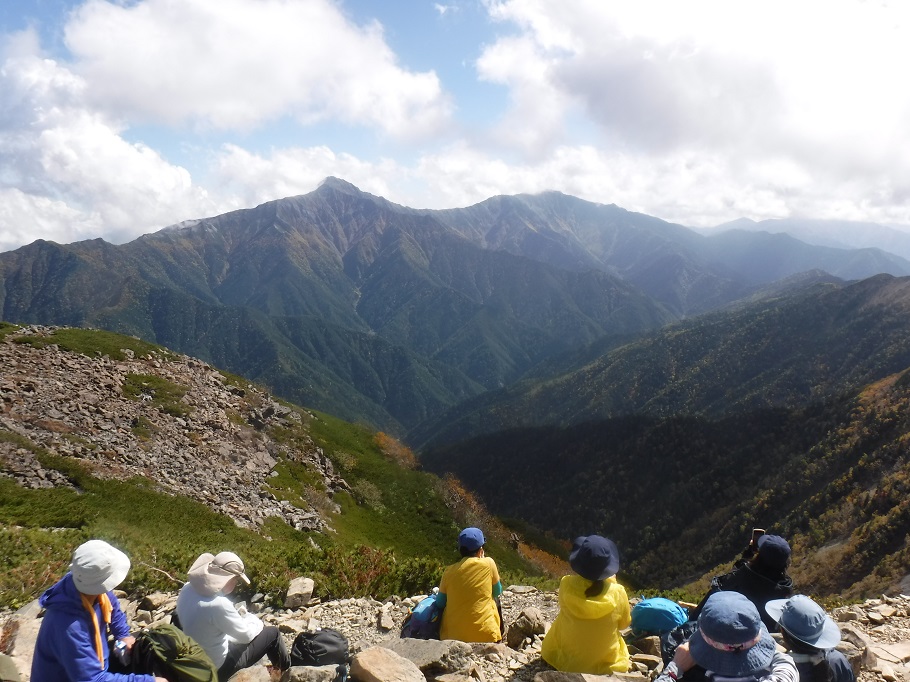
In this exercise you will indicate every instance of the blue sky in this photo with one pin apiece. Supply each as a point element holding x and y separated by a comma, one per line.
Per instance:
<point>119,117</point>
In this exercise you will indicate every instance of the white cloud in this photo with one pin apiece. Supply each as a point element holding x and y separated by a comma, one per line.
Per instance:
<point>65,171</point>
<point>778,107</point>
<point>236,64</point>
<point>251,178</point>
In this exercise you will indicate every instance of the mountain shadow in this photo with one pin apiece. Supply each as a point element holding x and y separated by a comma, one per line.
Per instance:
<point>832,477</point>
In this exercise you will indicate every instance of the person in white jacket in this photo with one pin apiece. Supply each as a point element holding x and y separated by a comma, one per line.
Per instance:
<point>231,639</point>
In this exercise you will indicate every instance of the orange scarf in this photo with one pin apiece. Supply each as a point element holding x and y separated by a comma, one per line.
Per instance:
<point>88,601</point>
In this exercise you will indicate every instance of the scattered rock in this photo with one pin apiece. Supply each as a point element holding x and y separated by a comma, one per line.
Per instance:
<point>378,664</point>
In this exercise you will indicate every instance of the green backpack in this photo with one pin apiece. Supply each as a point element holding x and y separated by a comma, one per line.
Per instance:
<point>166,651</point>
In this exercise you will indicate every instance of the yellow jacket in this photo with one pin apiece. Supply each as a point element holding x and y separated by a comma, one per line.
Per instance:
<point>470,614</point>
<point>585,636</point>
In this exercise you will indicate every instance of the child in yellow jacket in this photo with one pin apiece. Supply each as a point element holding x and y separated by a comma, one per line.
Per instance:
<point>593,608</point>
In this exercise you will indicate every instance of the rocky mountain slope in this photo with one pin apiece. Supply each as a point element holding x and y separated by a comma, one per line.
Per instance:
<point>209,444</point>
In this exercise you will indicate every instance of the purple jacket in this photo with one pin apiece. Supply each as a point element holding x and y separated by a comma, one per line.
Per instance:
<point>65,648</point>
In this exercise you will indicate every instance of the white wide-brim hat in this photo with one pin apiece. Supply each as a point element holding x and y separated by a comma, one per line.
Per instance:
<point>209,573</point>
<point>98,567</point>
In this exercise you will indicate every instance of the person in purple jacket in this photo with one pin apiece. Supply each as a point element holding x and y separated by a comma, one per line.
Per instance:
<point>80,612</point>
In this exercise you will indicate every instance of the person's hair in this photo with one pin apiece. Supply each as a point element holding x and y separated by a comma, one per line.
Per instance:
<point>465,552</point>
<point>595,588</point>
<point>759,565</point>
<point>821,671</point>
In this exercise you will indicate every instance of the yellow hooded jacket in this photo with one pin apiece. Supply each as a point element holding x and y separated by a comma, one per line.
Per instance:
<point>585,636</point>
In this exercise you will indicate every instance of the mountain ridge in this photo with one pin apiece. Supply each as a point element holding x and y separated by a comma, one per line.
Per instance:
<point>338,292</point>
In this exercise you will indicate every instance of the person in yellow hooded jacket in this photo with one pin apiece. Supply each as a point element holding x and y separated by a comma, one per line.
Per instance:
<point>593,608</point>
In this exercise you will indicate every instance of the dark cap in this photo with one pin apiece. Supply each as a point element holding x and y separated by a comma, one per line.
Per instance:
<point>594,557</point>
<point>774,551</point>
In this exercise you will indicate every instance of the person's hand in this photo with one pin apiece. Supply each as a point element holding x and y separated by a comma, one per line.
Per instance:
<point>161,679</point>
<point>682,658</point>
<point>129,640</point>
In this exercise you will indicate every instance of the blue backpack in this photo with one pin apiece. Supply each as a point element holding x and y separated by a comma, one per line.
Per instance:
<point>657,615</point>
<point>424,620</point>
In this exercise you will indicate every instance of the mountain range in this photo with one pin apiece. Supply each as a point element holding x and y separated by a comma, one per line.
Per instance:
<point>391,315</point>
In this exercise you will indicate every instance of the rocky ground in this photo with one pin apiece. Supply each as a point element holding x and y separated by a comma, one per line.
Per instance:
<point>218,453</point>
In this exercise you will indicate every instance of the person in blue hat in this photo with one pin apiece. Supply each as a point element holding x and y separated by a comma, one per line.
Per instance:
<point>731,643</point>
<point>593,608</point>
<point>469,592</point>
<point>810,636</point>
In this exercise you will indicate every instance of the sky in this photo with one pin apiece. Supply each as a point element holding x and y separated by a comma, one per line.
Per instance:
<point>119,117</point>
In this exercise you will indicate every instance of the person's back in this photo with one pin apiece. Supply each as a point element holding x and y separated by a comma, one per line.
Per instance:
<point>731,644</point>
<point>593,608</point>
<point>469,590</point>
<point>760,575</point>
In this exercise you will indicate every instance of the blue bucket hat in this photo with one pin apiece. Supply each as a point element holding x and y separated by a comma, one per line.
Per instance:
<point>471,539</point>
<point>731,640</point>
<point>594,557</point>
<point>804,620</point>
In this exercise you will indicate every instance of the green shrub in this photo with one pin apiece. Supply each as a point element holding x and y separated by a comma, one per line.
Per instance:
<point>94,342</point>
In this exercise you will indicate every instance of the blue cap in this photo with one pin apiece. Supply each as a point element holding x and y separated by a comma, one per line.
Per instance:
<point>471,539</point>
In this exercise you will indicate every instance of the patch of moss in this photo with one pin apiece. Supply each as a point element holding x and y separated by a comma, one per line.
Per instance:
<point>160,392</point>
<point>94,343</point>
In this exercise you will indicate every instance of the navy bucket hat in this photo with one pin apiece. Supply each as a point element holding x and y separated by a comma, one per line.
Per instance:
<point>594,557</point>
<point>731,640</point>
<point>774,551</point>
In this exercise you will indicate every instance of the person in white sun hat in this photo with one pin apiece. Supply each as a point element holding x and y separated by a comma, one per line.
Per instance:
<point>81,612</point>
<point>231,639</point>
<point>810,636</point>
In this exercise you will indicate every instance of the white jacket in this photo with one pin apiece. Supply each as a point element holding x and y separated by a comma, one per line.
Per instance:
<point>214,622</point>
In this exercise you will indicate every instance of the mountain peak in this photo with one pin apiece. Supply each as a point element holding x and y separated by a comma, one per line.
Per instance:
<point>338,185</point>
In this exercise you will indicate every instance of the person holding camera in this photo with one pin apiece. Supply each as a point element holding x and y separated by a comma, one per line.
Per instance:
<point>760,574</point>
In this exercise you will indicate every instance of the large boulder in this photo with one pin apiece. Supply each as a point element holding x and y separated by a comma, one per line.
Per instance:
<point>432,656</point>
<point>300,592</point>
<point>24,624</point>
<point>530,622</point>
<point>378,664</point>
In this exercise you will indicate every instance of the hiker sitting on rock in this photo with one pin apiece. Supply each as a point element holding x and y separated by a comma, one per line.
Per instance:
<point>81,612</point>
<point>731,642</point>
<point>231,639</point>
<point>469,591</point>
<point>810,637</point>
<point>593,608</point>
<point>760,574</point>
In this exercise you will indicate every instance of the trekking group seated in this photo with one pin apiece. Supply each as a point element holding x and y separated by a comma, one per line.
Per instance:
<point>84,634</point>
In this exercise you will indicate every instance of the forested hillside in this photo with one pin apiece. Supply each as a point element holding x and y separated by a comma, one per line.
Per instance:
<point>680,495</point>
<point>785,350</point>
